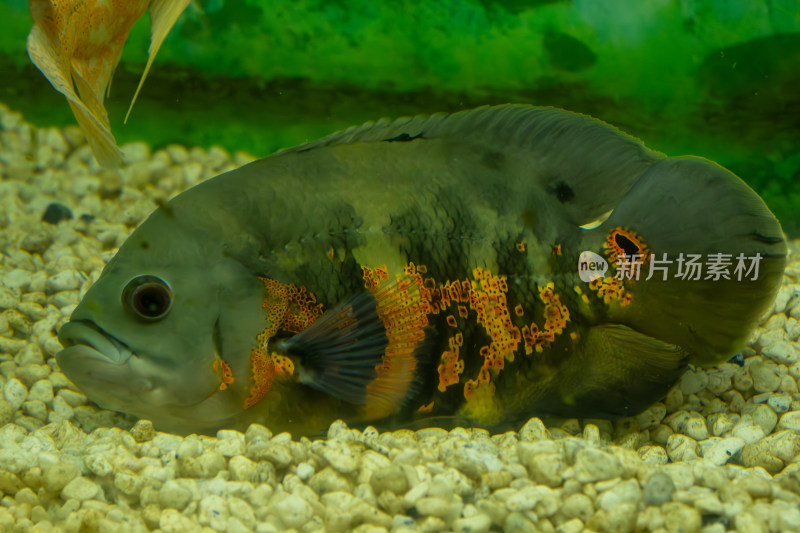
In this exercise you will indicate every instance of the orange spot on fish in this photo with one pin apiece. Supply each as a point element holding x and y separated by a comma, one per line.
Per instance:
<point>518,310</point>
<point>262,374</point>
<point>425,409</point>
<point>284,367</point>
<point>520,246</point>
<point>451,321</point>
<point>556,249</point>
<point>451,366</point>
<point>610,289</point>
<point>220,366</point>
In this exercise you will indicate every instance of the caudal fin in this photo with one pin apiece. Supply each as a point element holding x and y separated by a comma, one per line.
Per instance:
<point>713,257</point>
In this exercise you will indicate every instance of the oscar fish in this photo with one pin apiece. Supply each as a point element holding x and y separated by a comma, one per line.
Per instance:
<point>487,265</point>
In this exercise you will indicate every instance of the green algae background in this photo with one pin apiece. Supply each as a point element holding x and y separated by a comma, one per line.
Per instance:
<point>714,78</point>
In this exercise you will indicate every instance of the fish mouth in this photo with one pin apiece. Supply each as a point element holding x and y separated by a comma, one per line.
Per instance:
<point>99,365</point>
<point>91,341</point>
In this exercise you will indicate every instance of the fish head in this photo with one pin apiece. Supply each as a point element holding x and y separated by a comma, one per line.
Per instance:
<point>149,336</point>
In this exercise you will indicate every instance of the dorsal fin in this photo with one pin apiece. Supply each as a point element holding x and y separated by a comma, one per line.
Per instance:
<point>586,164</point>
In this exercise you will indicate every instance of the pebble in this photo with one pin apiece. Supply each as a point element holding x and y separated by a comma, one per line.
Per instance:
<point>681,517</point>
<point>15,393</point>
<point>134,152</point>
<point>56,476</point>
<point>658,489</point>
<point>174,495</point>
<point>719,451</point>
<point>142,430</point>
<point>790,420</point>
<point>171,521</point>
<point>765,417</point>
<point>773,452</point>
<point>391,478</point>
<point>440,507</point>
<point>293,511</point>
<point>533,429</point>
<point>213,512</point>
<point>625,492</point>
<point>592,465</point>
<point>782,352</point>
<point>682,448</point>
<point>621,518</point>
<point>16,279</point>
<point>478,523</point>
<point>652,417</point>
<point>6,412</point>
<point>747,430</point>
<point>545,468</point>
<point>765,376</point>
<point>655,455</point>
<point>339,455</point>
<point>66,280</point>
<point>81,489</point>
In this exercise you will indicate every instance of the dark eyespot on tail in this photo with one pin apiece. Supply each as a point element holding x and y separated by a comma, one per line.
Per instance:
<point>562,192</point>
<point>403,138</point>
<point>338,353</point>
<point>626,244</point>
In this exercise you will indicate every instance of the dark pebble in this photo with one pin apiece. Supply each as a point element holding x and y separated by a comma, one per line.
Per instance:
<point>55,213</point>
<point>658,489</point>
<point>737,359</point>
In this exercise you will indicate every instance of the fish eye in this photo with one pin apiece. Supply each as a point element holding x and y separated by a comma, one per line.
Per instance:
<point>148,296</point>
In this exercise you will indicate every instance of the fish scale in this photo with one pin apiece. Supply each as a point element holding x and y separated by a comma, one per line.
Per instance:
<point>410,271</point>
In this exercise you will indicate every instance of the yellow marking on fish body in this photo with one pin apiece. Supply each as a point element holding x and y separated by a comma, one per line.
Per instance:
<point>400,309</point>
<point>290,309</point>
<point>610,290</point>
<point>556,314</point>
<point>219,365</point>
<point>451,365</point>
<point>263,373</point>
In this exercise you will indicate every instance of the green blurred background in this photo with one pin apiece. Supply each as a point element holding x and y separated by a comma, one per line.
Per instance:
<point>717,78</point>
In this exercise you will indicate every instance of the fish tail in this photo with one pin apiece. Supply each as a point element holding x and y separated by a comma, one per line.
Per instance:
<point>711,257</point>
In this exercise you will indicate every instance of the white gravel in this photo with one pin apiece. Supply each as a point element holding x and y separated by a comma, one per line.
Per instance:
<point>720,453</point>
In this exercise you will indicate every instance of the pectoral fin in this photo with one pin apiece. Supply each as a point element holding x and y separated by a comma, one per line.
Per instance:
<point>338,353</point>
<point>619,372</point>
